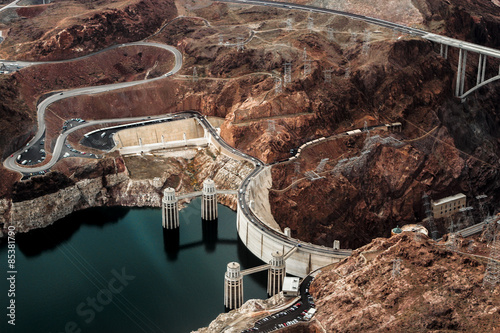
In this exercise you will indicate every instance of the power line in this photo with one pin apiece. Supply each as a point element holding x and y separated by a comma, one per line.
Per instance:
<point>430,216</point>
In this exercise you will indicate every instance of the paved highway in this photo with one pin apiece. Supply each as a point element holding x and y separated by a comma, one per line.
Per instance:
<point>13,4</point>
<point>382,23</point>
<point>10,162</point>
<point>244,206</point>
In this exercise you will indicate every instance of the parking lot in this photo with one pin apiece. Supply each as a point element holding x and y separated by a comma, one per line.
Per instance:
<point>300,311</point>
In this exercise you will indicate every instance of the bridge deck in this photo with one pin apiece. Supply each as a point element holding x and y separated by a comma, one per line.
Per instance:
<point>199,193</point>
<point>289,253</point>
<point>255,269</point>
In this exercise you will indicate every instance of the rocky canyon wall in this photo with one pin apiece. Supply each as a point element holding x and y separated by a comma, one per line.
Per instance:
<point>41,201</point>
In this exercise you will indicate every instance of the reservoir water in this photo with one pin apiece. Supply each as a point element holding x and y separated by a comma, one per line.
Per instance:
<point>114,270</point>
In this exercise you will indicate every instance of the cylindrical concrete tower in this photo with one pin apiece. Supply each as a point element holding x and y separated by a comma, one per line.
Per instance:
<point>209,201</point>
<point>276,273</point>
<point>288,232</point>
<point>170,213</point>
<point>233,286</point>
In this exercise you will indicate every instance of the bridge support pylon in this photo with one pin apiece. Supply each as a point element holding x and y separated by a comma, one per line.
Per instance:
<point>233,286</point>
<point>209,201</point>
<point>170,211</point>
<point>276,273</point>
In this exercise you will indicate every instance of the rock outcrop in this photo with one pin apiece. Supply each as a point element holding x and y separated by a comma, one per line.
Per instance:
<point>40,201</point>
<point>435,289</point>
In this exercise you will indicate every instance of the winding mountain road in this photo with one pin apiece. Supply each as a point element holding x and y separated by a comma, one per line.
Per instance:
<point>10,162</point>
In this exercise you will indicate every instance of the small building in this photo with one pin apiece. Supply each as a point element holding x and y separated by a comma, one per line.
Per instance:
<point>449,205</point>
<point>291,286</point>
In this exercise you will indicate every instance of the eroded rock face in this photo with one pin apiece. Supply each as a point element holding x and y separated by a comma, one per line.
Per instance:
<point>96,30</point>
<point>436,289</point>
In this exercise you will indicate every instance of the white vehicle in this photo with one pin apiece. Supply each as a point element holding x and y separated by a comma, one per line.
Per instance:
<point>18,157</point>
<point>24,162</point>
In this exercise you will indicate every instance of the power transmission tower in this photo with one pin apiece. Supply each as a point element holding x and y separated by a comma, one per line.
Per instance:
<point>296,167</point>
<point>310,23</point>
<point>484,215</point>
<point>195,74</point>
<point>312,175</point>
<point>489,233</point>
<point>239,44</point>
<point>430,216</point>
<point>328,75</point>
<point>221,40</point>
<point>289,24</point>
<point>271,126</point>
<point>353,37</point>
<point>330,34</point>
<point>492,273</point>
<point>307,64</point>
<point>396,268</point>
<point>294,182</point>
<point>287,79</point>
<point>467,217</point>
<point>366,45</point>
<point>451,244</point>
<point>347,72</point>
<point>466,169</point>
<point>278,85</point>
<point>321,165</point>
